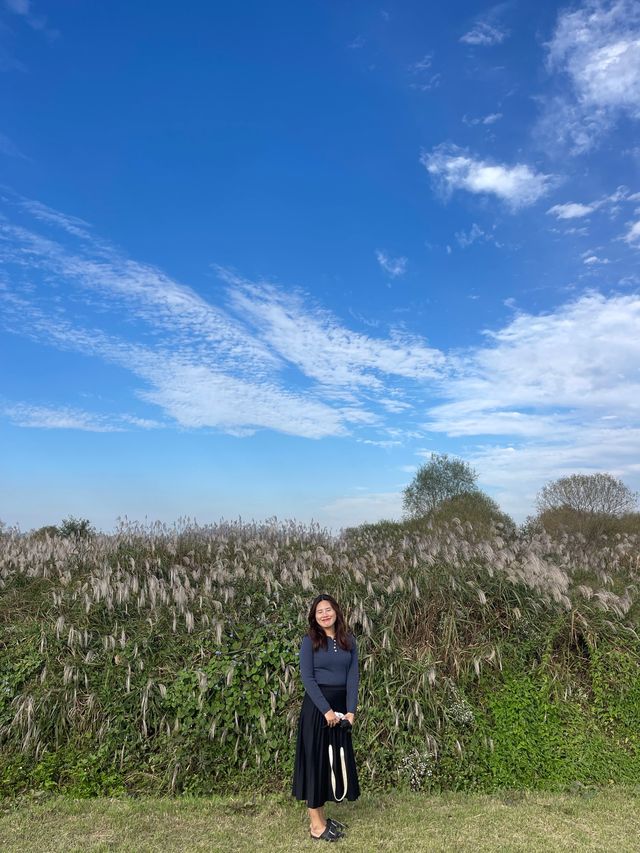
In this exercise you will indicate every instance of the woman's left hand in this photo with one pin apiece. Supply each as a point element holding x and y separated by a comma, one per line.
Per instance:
<point>350,717</point>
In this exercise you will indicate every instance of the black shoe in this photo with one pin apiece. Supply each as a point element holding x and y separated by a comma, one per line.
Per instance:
<point>340,827</point>
<point>330,834</point>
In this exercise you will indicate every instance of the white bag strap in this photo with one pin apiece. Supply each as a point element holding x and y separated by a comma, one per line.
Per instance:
<point>333,776</point>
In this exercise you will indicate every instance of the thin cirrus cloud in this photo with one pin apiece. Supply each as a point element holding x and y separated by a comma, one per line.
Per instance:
<point>484,34</point>
<point>192,390</point>
<point>104,278</point>
<point>322,348</point>
<point>202,364</point>
<point>393,267</point>
<point>68,417</point>
<point>71,224</point>
<point>453,168</point>
<point>58,417</point>
<point>595,54</point>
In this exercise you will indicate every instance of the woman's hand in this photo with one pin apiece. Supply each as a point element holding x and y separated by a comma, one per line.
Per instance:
<point>331,718</point>
<point>351,717</point>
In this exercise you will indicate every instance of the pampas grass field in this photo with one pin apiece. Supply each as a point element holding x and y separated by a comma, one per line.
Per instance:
<point>161,662</point>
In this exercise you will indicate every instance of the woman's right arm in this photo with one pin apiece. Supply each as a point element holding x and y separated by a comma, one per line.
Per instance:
<point>308,676</point>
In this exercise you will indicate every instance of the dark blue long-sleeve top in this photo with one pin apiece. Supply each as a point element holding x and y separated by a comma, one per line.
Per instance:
<point>332,665</point>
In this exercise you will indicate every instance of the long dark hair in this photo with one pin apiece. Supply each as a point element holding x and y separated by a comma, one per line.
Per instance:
<point>316,632</point>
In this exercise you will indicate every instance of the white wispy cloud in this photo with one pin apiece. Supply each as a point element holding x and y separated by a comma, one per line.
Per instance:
<point>25,9</point>
<point>198,396</point>
<point>321,347</point>
<point>71,224</point>
<point>473,235</point>
<point>468,238</point>
<point>18,7</point>
<point>571,210</point>
<point>491,118</point>
<point>202,364</point>
<point>610,203</point>
<point>192,391</point>
<point>154,298</point>
<point>621,193</point>
<point>392,404</point>
<point>386,444</point>
<point>560,388</point>
<point>142,423</point>
<point>427,83</point>
<point>585,355</point>
<point>9,148</point>
<point>392,266</point>
<point>550,390</point>
<point>454,168</point>
<point>423,64</point>
<point>596,47</point>
<point>516,472</point>
<point>484,34</point>
<point>633,234</point>
<point>423,76</point>
<point>64,417</point>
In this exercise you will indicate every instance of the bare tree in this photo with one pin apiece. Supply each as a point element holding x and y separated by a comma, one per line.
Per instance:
<point>593,493</point>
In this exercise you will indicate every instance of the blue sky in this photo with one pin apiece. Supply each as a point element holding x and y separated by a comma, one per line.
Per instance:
<point>263,259</point>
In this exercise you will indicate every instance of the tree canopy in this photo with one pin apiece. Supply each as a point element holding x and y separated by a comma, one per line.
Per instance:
<point>438,480</point>
<point>590,493</point>
<point>76,528</point>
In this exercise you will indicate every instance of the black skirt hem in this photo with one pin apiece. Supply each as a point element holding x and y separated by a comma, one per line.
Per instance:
<point>312,768</point>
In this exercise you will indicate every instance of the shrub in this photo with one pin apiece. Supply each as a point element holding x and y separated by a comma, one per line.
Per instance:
<point>47,531</point>
<point>477,509</point>
<point>591,525</point>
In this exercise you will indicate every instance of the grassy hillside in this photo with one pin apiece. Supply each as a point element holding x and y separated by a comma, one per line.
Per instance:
<point>165,660</point>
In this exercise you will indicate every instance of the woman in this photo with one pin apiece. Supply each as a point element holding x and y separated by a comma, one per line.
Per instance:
<point>325,768</point>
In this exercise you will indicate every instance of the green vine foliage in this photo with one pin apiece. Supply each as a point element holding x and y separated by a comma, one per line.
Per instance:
<point>522,733</point>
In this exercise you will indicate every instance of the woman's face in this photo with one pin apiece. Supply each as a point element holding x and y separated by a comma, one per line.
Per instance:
<point>325,614</point>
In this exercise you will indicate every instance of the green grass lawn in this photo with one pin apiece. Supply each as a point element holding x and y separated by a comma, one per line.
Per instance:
<point>607,820</point>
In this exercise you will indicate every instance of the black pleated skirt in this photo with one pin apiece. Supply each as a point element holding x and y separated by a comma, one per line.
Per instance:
<point>312,777</point>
